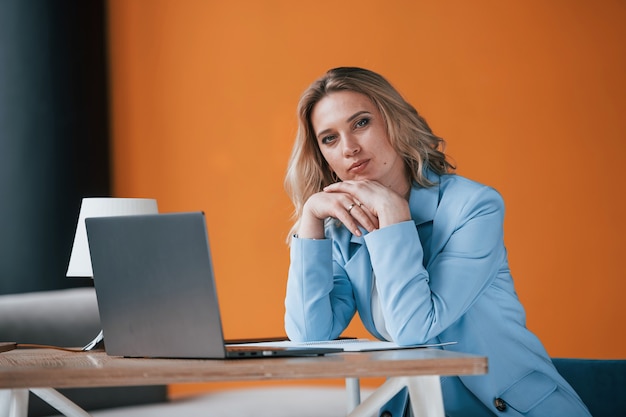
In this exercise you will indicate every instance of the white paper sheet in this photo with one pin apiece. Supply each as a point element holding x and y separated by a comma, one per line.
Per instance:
<point>348,345</point>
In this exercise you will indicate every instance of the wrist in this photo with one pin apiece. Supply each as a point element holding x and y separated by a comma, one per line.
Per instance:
<point>310,228</point>
<point>394,214</point>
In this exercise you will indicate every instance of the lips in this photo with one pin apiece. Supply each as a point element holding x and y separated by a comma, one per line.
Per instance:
<point>358,166</point>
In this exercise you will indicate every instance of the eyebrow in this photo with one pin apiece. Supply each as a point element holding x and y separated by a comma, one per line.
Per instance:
<point>351,118</point>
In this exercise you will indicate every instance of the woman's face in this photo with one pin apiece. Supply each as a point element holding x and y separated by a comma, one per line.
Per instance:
<point>352,137</point>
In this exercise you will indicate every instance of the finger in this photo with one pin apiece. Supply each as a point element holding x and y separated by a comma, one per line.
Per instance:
<point>342,186</point>
<point>364,217</point>
<point>345,210</point>
<point>350,222</point>
<point>361,191</point>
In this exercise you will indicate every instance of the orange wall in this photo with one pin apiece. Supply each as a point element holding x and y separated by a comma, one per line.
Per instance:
<point>528,94</point>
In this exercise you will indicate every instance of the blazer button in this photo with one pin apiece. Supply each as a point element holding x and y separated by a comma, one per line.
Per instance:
<point>500,404</point>
<point>385,414</point>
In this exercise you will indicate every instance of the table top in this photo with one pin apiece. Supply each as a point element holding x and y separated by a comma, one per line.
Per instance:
<point>31,368</point>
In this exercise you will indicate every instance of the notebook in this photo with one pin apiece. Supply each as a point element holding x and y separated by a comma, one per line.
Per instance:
<point>156,293</point>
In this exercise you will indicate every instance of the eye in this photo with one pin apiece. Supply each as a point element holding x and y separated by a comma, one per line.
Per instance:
<point>326,140</point>
<point>362,122</point>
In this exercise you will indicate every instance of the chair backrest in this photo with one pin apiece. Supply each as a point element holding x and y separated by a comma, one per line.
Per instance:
<point>600,383</point>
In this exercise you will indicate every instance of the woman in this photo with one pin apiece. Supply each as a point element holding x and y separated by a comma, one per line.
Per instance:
<point>384,227</point>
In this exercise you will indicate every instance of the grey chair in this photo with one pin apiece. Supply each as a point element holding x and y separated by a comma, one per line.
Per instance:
<point>67,318</point>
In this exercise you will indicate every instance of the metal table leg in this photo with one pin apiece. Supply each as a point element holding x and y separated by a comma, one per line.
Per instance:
<point>14,402</point>
<point>353,389</point>
<point>60,402</point>
<point>424,392</point>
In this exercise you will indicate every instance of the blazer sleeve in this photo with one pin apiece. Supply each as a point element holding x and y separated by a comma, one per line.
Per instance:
<point>419,302</point>
<point>319,302</point>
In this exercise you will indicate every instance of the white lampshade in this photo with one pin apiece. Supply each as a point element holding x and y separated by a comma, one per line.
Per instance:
<point>80,259</point>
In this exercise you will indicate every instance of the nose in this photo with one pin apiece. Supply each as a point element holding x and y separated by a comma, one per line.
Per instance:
<point>350,145</point>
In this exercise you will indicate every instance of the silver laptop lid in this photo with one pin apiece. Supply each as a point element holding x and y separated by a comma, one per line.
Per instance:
<point>155,286</point>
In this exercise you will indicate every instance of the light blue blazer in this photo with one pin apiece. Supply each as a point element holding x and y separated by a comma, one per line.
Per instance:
<point>443,276</point>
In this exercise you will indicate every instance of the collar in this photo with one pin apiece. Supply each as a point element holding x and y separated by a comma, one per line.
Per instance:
<point>423,201</point>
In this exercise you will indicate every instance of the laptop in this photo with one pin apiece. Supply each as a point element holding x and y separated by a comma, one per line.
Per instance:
<point>156,293</point>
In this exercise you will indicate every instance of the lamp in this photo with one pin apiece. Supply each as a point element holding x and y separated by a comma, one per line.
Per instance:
<point>80,258</point>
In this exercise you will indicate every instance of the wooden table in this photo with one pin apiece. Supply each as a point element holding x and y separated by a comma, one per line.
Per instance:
<point>40,370</point>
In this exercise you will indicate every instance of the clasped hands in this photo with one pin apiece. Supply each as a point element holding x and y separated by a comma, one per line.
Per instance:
<point>363,203</point>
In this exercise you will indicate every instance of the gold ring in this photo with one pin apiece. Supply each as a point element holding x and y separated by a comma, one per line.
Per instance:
<point>350,207</point>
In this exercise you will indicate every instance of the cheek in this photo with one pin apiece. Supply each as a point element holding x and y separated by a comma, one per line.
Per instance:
<point>388,151</point>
